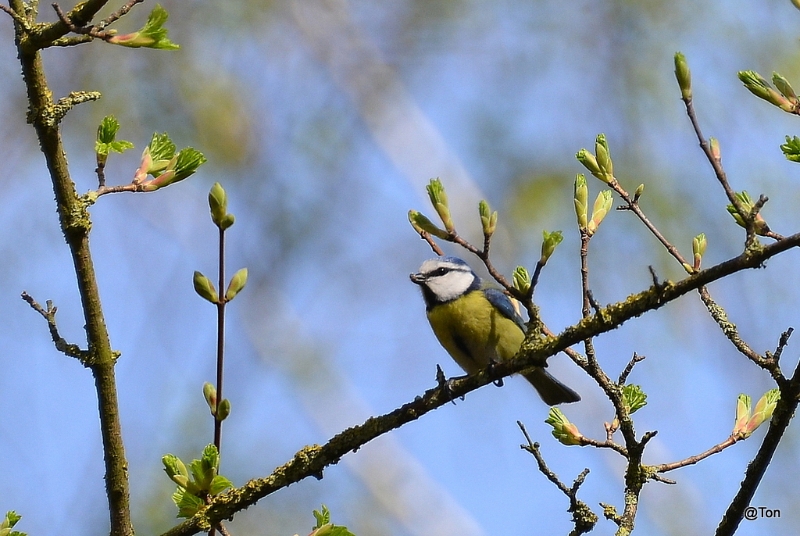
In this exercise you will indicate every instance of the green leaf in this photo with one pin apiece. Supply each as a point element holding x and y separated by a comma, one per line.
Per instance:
<point>161,148</point>
<point>219,484</point>
<point>323,517</point>
<point>187,503</point>
<point>107,130</point>
<point>106,142</point>
<point>633,397</point>
<point>791,149</point>
<point>152,35</point>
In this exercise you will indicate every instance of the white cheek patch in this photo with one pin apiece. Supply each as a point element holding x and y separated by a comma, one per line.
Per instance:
<point>451,285</point>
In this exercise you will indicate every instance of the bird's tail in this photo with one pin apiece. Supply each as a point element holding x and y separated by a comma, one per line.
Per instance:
<point>551,390</point>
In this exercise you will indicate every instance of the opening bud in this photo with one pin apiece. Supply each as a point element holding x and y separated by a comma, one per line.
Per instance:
<point>581,201</point>
<point>684,76</point>
<point>438,199</point>
<point>564,431</point>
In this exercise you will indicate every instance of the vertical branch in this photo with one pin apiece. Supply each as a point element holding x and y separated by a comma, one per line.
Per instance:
<point>220,341</point>
<point>76,224</point>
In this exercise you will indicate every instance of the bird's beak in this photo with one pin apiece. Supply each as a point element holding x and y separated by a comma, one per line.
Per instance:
<point>418,279</point>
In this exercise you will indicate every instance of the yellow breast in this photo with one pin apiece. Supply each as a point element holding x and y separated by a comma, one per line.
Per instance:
<point>473,332</point>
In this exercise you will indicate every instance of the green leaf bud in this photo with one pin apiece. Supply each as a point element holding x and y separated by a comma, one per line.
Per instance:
<point>581,201</point>
<point>238,281</point>
<point>763,411</point>
<point>218,203</point>
<point>549,243</point>
<point>633,397</point>
<point>589,162</point>
<point>155,157</point>
<point>227,221</point>
<point>638,193</point>
<point>224,409</point>
<point>323,517</point>
<point>438,199</point>
<point>684,76</point>
<point>422,224</point>
<point>699,244</point>
<point>785,88</point>
<point>522,279</point>
<point>743,404</point>
<point>716,153</point>
<point>107,130</point>
<point>11,519</point>
<point>210,457</point>
<point>602,204</point>
<point>152,34</point>
<point>205,288</point>
<point>176,470</point>
<point>564,431</point>
<point>162,150</point>
<point>759,87</point>
<point>181,166</point>
<point>603,155</point>
<point>760,226</point>
<point>210,394</point>
<point>488,218</point>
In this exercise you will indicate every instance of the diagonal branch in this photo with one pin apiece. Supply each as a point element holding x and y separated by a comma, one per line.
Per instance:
<point>784,412</point>
<point>312,460</point>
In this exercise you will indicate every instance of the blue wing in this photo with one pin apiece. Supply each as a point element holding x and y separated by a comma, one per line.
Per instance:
<point>502,303</point>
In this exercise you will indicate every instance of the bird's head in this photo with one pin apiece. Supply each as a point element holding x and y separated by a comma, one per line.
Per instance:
<point>444,279</point>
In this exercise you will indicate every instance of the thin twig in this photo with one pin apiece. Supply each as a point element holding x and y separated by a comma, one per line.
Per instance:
<point>623,377</point>
<point>715,162</point>
<point>426,236</point>
<point>121,12</point>
<point>582,516</point>
<point>49,314</point>
<point>782,343</point>
<point>632,204</point>
<point>728,328</point>
<point>19,19</point>
<point>691,460</point>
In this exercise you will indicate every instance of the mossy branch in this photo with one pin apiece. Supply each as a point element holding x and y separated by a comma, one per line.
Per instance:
<point>76,225</point>
<point>312,460</point>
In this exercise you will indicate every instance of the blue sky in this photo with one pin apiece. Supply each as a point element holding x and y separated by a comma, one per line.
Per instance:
<point>324,121</point>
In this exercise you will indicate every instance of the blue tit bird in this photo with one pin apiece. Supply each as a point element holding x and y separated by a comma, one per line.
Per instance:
<point>478,325</point>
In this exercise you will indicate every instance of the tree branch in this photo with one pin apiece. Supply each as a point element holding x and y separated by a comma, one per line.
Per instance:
<point>784,411</point>
<point>76,224</point>
<point>312,460</point>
